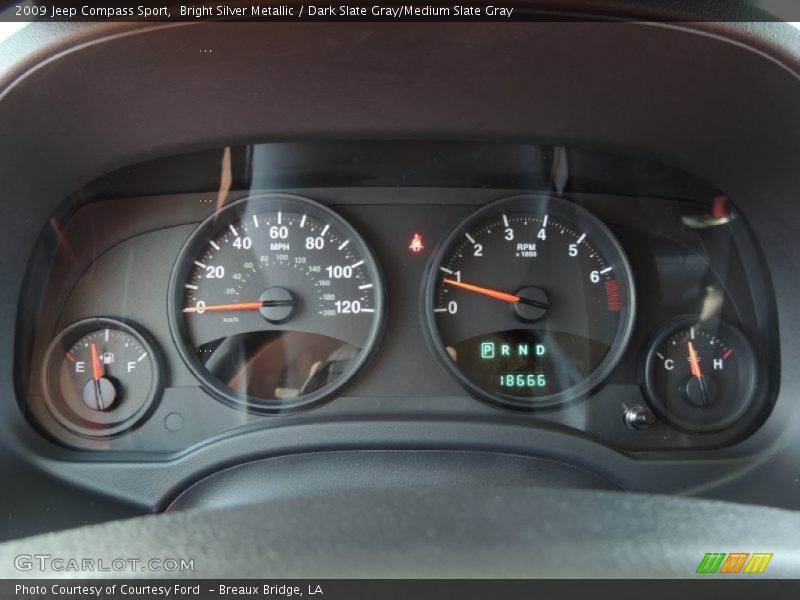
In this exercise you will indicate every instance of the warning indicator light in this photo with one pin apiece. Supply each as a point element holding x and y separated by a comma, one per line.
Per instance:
<point>416,246</point>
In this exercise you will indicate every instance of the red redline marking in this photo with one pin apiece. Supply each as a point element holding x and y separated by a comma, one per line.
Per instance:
<point>720,209</point>
<point>70,357</point>
<point>612,295</point>
<point>728,352</point>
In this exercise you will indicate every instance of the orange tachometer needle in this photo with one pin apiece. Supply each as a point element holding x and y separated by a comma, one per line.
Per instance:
<point>695,362</point>
<point>482,290</point>
<point>219,307</point>
<point>97,368</point>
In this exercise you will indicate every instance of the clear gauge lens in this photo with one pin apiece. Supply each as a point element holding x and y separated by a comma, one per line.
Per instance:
<point>530,302</point>
<point>700,374</point>
<point>100,377</point>
<point>276,302</point>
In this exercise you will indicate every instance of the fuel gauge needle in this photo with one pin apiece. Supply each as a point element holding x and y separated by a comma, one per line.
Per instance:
<point>97,375</point>
<point>697,372</point>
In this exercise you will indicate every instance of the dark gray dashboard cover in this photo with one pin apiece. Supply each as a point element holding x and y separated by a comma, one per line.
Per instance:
<point>484,533</point>
<point>318,474</point>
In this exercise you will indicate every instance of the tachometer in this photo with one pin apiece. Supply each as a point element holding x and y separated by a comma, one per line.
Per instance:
<point>529,302</point>
<point>275,302</point>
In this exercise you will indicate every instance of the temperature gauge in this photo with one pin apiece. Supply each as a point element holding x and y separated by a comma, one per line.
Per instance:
<point>100,377</point>
<point>700,375</point>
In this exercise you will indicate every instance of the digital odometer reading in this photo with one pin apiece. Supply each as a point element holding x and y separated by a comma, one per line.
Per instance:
<point>276,301</point>
<point>530,301</point>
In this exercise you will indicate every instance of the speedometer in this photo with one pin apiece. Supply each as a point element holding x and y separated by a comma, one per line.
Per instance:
<point>275,302</point>
<point>529,302</point>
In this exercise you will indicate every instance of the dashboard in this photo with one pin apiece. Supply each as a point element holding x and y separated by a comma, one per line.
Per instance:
<point>376,257</point>
<point>579,298</point>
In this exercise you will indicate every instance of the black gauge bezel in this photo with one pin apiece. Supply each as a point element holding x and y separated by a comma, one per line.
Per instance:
<point>748,379</point>
<point>74,332</point>
<point>198,239</point>
<point>601,237</point>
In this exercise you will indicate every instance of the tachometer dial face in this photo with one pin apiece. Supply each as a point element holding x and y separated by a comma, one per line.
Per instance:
<point>700,374</point>
<point>276,302</point>
<point>529,302</point>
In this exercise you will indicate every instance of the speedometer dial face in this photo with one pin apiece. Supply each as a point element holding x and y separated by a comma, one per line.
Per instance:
<point>275,302</point>
<point>529,302</point>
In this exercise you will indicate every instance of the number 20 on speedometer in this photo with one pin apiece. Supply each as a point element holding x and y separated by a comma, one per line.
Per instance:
<point>529,302</point>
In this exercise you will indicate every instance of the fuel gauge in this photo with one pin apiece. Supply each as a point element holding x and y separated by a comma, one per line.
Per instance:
<point>100,377</point>
<point>700,374</point>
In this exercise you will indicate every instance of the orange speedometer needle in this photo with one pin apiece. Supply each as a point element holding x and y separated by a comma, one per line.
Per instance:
<point>505,297</point>
<point>222,307</point>
<point>240,306</point>
<point>97,368</point>
<point>694,362</point>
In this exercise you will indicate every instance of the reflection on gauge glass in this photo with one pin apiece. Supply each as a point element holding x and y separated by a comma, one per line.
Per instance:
<point>529,302</point>
<point>700,374</point>
<point>100,377</point>
<point>275,302</point>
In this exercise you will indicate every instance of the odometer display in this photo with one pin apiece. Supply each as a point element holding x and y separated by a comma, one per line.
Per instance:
<point>276,301</point>
<point>529,302</point>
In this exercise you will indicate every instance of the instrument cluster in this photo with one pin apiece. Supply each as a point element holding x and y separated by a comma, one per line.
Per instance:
<point>174,318</point>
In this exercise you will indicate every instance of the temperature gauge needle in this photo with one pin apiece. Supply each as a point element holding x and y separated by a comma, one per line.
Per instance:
<point>694,361</point>
<point>97,375</point>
